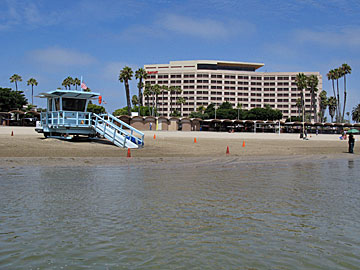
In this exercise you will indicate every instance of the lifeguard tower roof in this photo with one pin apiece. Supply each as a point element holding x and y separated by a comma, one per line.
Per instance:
<point>69,94</point>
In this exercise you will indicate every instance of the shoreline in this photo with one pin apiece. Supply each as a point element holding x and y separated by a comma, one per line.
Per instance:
<point>28,148</point>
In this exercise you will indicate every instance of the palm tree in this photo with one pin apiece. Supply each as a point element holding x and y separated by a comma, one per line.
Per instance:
<point>70,81</point>
<point>331,76</point>
<point>14,79</point>
<point>356,113</point>
<point>312,83</point>
<point>125,75</point>
<point>65,83</point>
<point>202,109</point>
<point>177,92</point>
<point>238,107</point>
<point>338,75</point>
<point>298,105</point>
<point>323,104</point>
<point>32,82</point>
<point>135,100</point>
<point>147,93</point>
<point>141,75</point>
<point>172,89</point>
<point>140,96</point>
<point>301,83</point>
<point>346,70</point>
<point>163,88</point>
<point>76,83</point>
<point>155,92</point>
<point>332,107</point>
<point>181,101</point>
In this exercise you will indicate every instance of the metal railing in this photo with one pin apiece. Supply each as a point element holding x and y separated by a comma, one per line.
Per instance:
<point>66,119</point>
<point>113,127</point>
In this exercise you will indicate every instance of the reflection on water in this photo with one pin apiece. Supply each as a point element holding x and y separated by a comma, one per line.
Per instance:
<point>256,216</point>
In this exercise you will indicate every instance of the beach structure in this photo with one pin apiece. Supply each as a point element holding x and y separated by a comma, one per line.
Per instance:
<point>208,81</point>
<point>67,117</point>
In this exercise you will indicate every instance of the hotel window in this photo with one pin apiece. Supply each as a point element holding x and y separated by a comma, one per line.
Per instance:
<point>255,83</point>
<point>229,76</point>
<point>203,75</point>
<point>175,81</point>
<point>229,82</point>
<point>283,83</point>
<point>256,78</point>
<point>189,81</point>
<point>216,76</point>
<point>269,83</point>
<point>202,81</point>
<point>189,75</point>
<point>243,77</point>
<point>163,76</point>
<point>175,76</point>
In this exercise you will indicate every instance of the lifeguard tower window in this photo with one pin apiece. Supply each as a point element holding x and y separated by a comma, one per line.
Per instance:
<point>73,104</point>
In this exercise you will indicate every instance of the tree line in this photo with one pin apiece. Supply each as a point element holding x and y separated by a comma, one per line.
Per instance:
<point>151,93</point>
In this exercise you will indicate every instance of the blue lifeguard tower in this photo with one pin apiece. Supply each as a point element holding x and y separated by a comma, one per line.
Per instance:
<point>66,117</point>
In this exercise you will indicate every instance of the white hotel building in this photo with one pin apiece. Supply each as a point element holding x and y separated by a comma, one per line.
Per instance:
<point>207,81</point>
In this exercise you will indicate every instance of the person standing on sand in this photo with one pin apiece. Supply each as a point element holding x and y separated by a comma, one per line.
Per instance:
<point>351,143</point>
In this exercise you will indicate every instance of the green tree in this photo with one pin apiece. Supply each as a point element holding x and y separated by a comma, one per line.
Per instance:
<point>11,100</point>
<point>32,82</point>
<point>135,101</point>
<point>147,94</point>
<point>356,113</point>
<point>323,104</point>
<point>95,108</point>
<point>163,89</point>
<point>331,75</point>
<point>238,107</point>
<point>67,82</point>
<point>125,75</point>
<point>181,101</point>
<point>155,90</point>
<point>299,106</point>
<point>14,79</point>
<point>332,107</point>
<point>141,75</point>
<point>76,82</point>
<point>301,83</point>
<point>172,90</point>
<point>178,91</point>
<point>312,83</point>
<point>338,75</point>
<point>346,69</point>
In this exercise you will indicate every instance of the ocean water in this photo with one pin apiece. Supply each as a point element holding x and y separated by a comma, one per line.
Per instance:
<point>230,215</point>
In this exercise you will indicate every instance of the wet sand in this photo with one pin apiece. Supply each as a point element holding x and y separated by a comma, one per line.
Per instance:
<point>28,148</point>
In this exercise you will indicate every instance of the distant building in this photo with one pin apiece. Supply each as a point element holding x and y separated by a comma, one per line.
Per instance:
<point>207,81</point>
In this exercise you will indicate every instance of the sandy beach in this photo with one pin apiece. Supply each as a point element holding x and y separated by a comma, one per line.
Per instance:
<point>28,148</point>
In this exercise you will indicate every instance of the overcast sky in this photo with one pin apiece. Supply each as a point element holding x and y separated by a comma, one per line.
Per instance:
<point>50,40</point>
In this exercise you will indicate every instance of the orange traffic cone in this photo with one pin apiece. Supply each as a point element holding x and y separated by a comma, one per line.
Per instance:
<point>227,150</point>
<point>195,140</point>
<point>243,143</point>
<point>12,133</point>
<point>154,136</point>
<point>128,153</point>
